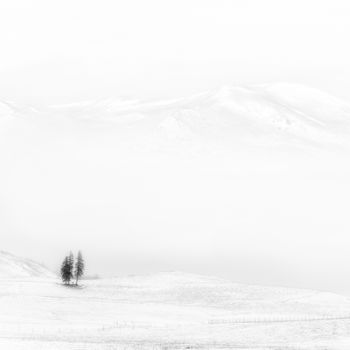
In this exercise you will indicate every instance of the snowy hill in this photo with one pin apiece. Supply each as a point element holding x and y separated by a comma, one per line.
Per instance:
<point>206,291</point>
<point>12,266</point>
<point>169,310</point>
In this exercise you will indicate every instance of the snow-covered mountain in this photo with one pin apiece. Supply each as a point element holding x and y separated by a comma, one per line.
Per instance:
<point>6,109</point>
<point>232,115</point>
<point>12,266</point>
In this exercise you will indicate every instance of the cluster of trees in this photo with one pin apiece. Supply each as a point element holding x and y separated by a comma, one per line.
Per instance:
<point>71,269</point>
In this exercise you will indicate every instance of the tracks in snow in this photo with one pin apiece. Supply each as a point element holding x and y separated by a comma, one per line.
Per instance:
<point>277,319</point>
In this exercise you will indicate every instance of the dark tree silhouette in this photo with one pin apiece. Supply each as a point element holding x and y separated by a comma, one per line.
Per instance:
<point>66,273</point>
<point>67,268</point>
<point>79,268</point>
<point>71,264</point>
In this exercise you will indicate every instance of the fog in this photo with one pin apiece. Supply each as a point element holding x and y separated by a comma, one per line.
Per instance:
<point>133,205</point>
<point>64,51</point>
<point>275,218</point>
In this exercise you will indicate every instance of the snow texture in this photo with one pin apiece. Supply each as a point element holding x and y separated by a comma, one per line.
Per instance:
<point>168,310</point>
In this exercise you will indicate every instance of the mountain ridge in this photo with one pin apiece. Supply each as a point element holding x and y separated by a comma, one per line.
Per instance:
<point>235,116</point>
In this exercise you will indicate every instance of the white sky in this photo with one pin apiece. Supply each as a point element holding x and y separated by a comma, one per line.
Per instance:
<point>66,50</point>
<point>59,190</point>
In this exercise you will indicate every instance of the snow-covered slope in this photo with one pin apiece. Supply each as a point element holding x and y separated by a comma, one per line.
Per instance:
<point>5,109</point>
<point>169,311</point>
<point>233,115</point>
<point>12,266</point>
<point>317,104</point>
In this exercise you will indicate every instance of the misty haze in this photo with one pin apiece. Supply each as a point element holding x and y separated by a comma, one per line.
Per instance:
<point>174,175</point>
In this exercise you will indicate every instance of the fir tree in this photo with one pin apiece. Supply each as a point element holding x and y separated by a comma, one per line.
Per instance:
<point>65,271</point>
<point>79,268</point>
<point>71,264</point>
